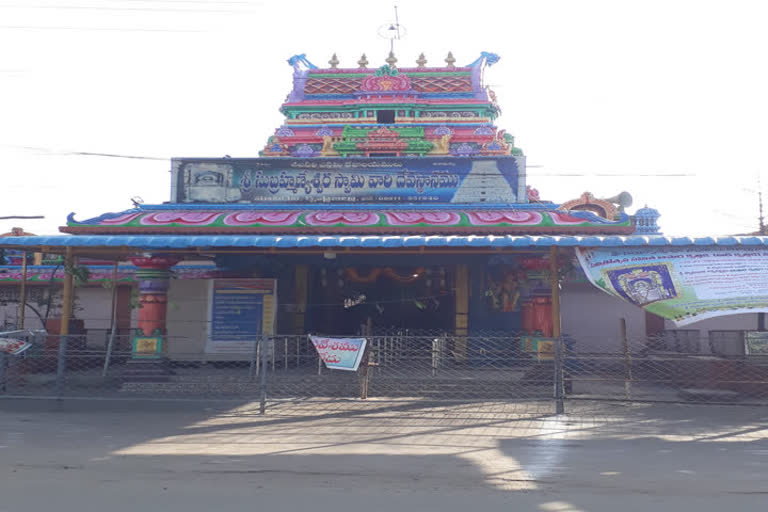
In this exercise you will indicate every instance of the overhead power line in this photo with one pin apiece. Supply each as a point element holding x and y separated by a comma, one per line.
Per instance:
<point>190,9</point>
<point>106,29</point>
<point>654,174</point>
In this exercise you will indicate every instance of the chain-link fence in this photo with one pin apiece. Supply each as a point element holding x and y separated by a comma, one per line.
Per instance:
<point>394,366</point>
<point>675,366</point>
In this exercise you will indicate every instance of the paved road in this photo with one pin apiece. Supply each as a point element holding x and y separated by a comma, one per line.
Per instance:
<point>340,456</point>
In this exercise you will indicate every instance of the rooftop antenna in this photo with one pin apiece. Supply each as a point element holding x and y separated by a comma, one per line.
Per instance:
<point>397,30</point>
<point>392,31</point>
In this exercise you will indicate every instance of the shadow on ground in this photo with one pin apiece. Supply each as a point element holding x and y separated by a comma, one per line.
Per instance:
<point>336,455</point>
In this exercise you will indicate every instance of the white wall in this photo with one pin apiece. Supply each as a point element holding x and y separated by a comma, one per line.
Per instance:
<point>747,322</point>
<point>9,316</point>
<point>93,305</point>
<point>591,317</point>
<point>187,319</point>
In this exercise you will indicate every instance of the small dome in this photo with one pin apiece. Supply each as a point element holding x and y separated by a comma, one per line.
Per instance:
<point>645,221</point>
<point>648,212</point>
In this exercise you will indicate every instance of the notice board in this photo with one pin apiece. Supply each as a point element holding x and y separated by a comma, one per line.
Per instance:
<point>241,310</point>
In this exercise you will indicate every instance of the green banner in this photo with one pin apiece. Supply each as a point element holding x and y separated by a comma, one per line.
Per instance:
<point>684,284</point>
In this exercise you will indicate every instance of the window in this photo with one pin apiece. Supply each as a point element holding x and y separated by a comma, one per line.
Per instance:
<point>385,116</point>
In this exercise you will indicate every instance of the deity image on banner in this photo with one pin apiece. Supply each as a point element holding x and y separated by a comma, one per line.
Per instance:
<point>644,284</point>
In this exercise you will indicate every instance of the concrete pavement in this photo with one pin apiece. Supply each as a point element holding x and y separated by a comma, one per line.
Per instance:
<point>380,455</point>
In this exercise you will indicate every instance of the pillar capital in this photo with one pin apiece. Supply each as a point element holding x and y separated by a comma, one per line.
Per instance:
<point>155,262</point>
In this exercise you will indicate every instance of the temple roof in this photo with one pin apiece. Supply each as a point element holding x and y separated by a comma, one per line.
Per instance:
<point>358,219</point>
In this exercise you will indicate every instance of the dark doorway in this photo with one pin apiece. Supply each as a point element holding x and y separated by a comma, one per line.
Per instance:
<point>394,298</point>
<point>385,116</point>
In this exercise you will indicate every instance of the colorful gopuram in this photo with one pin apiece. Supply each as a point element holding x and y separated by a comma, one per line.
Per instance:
<point>390,111</point>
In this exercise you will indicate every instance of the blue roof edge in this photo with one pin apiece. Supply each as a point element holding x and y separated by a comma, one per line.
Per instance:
<point>370,241</point>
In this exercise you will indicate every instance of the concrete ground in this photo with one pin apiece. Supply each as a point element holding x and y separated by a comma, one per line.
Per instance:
<point>380,455</point>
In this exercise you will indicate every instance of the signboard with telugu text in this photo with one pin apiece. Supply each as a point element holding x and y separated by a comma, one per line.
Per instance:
<point>682,284</point>
<point>435,180</point>
<point>241,311</point>
<point>340,353</point>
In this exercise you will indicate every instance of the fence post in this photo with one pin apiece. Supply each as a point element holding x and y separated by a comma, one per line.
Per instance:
<point>364,370</point>
<point>3,372</point>
<point>112,323</point>
<point>263,379</point>
<point>61,365</point>
<point>253,368</point>
<point>559,363</point>
<point>436,353</point>
<point>627,360</point>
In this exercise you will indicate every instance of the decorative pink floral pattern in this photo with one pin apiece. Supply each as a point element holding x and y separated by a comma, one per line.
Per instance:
<point>348,218</point>
<point>266,218</point>
<point>121,219</point>
<point>432,218</point>
<point>281,220</point>
<point>373,83</point>
<point>187,218</point>
<point>492,217</point>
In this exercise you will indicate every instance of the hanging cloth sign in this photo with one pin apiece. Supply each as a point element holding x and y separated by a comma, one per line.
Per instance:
<point>340,353</point>
<point>682,284</point>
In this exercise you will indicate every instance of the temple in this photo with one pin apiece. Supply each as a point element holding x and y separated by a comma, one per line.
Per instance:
<point>383,151</point>
<point>388,202</point>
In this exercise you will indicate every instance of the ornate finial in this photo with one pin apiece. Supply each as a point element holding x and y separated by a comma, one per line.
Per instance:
<point>450,60</point>
<point>334,61</point>
<point>421,61</point>
<point>391,60</point>
<point>363,62</point>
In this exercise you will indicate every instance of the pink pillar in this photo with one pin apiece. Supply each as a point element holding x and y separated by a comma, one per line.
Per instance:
<point>153,274</point>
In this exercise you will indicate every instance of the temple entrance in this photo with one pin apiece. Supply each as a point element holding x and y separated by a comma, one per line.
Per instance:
<point>396,299</point>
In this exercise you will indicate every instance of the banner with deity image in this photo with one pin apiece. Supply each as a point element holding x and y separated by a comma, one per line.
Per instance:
<point>684,284</point>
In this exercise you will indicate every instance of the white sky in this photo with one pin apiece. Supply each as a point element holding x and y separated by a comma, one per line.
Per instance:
<point>602,96</point>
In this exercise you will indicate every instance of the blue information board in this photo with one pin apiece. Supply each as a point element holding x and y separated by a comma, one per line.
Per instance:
<point>241,311</point>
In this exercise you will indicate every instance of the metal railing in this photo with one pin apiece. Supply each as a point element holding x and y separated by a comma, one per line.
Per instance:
<point>396,366</point>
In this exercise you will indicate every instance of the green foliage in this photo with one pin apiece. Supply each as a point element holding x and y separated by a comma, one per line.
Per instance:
<point>81,275</point>
<point>135,303</point>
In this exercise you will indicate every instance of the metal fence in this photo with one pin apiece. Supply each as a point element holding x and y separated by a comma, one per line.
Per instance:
<point>396,366</point>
